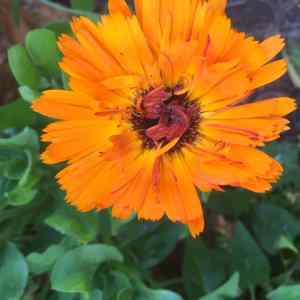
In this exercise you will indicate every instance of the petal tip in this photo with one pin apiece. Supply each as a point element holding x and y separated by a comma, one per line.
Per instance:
<point>196,227</point>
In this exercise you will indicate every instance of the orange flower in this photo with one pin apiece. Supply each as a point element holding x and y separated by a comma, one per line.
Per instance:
<point>156,110</point>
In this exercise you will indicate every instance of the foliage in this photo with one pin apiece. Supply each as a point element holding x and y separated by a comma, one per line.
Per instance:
<point>48,250</point>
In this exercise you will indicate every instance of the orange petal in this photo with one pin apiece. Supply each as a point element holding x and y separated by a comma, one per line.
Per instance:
<point>269,73</point>
<point>219,34</point>
<point>272,46</point>
<point>256,161</point>
<point>71,140</point>
<point>106,98</point>
<point>123,38</point>
<point>65,105</point>
<point>229,91</point>
<point>149,18</point>
<point>119,6</point>
<point>187,194</point>
<point>218,5</point>
<point>79,56</point>
<point>244,131</point>
<point>249,51</point>
<point>109,172</point>
<point>238,166</point>
<point>274,107</point>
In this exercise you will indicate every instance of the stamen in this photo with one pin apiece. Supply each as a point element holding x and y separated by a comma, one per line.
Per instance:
<point>161,116</point>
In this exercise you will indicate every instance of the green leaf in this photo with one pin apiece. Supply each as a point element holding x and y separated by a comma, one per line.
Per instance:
<point>41,45</point>
<point>230,290</point>
<point>135,229</point>
<point>76,12</point>
<point>42,263</point>
<point>13,272</point>
<point>233,203</point>
<point>17,114</point>
<point>15,10</point>
<point>285,243</point>
<point>18,159</point>
<point>5,186</point>
<point>154,247</point>
<point>149,294</point>
<point>204,269</point>
<point>21,196</point>
<point>59,28</point>
<point>293,53</point>
<point>95,295</point>
<point>22,67</point>
<point>104,219</point>
<point>14,169</point>
<point>28,94</point>
<point>114,284</point>
<point>74,271</point>
<point>291,292</point>
<point>66,296</point>
<point>293,72</point>
<point>247,258</point>
<point>125,294</point>
<point>117,224</point>
<point>88,5</point>
<point>26,139</point>
<point>26,188</point>
<point>275,228</point>
<point>69,221</point>
<point>65,80</point>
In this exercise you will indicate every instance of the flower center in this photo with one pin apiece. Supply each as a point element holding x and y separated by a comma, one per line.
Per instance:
<point>161,116</point>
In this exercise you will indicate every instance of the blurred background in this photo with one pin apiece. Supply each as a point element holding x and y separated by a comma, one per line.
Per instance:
<point>48,251</point>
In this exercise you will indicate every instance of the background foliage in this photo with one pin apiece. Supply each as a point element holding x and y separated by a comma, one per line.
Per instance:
<point>48,251</point>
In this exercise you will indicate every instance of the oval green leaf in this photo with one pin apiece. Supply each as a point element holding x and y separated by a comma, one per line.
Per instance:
<point>13,272</point>
<point>74,272</point>
<point>230,290</point>
<point>277,234</point>
<point>41,45</point>
<point>69,221</point>
<point>149,294</point>
<point>291,292</point>
<point>40,263</point>
<point>22,67</point>
<point>21,112</point>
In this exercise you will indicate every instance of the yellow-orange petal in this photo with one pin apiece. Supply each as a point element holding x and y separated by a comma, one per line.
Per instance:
<point>272,46</point>
<point>79,59</point>
<point>186,193</point>
<point>72,140</point>
<point>244,131</point>
<point>218,5</point>
<point>219,33</point>
<point>106,98</point>
<point>268,108</point>
<point>269,73</point>
<point>196,227</point>
<point>65,105</point>
<point>119,6</point>
<point>257,161</point>
<point>96,189</point>
<point>227,93</point>
<point>238,166</point>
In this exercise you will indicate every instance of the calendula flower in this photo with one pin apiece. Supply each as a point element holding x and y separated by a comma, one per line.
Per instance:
<point>157,109</point>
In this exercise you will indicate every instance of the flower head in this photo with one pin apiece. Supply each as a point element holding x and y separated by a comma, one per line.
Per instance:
<point>157,109</point>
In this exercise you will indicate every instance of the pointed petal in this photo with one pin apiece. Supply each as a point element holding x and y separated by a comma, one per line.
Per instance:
<point>119,6</point>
